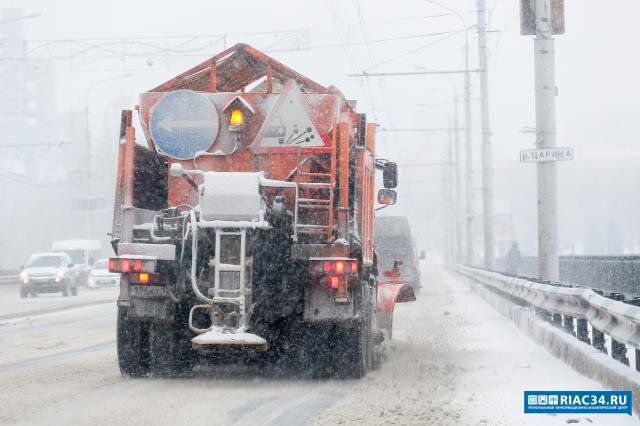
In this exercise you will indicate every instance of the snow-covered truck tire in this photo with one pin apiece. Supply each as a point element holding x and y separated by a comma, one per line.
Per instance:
<point>169,351</point>
<point>342,350</point>
<point>358,357</point>
<point>133,346</point>
<point>353,362</point>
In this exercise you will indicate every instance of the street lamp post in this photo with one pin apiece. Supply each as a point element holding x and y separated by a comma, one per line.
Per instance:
<point>457,166</point>
<point>487,172</point>
<point>469,203</point>
<point>451,183</point>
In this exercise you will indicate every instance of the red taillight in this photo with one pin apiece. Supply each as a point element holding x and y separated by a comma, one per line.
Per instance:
<point>129,265</point>
<point>334,266</point>
<point>125,265</point>
<point>332,281</point>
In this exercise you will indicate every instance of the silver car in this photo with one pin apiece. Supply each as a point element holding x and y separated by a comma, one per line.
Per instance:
<point>100,275</point>
<point>48,273</point>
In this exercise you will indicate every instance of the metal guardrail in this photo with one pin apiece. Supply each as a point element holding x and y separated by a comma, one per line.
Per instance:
<point>561,305</point>
<point>8,277</point>
<point>619,274</point>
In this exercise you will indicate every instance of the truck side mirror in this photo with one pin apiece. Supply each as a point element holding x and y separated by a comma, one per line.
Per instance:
<point>387,196</point>
<point>390,175</point>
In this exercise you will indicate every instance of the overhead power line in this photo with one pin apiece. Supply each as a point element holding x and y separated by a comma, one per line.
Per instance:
<point>404,73</point>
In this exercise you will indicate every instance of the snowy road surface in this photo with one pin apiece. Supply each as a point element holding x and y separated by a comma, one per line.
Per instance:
<point>454,360</point>
<point>12,306</point>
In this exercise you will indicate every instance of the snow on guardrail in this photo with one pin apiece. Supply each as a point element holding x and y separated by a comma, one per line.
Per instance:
<point>560,305</point>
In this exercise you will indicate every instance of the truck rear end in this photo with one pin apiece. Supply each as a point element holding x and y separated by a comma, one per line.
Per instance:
<point>244,227</point>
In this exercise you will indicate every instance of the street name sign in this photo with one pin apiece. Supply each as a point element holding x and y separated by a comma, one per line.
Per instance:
<point>546,154</point>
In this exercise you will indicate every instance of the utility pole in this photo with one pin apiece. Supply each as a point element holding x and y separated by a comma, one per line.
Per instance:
<point>458,183</point>
<point>452,199</point>
<point>452,195</point>
<point>470,237</point>
<point>468,153</point>
<point>487,173</point>
<point>470,243</point>
<point>448,211</point>
<point>546,138</point>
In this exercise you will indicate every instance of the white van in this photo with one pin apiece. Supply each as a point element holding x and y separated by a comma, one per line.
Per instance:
<point>83,254</point>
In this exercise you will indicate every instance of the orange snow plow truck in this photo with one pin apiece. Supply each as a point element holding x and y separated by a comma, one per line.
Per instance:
<point>243,227</point>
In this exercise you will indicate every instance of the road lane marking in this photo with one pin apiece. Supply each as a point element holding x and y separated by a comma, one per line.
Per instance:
<point>44,359</point>
<point>21,316</point>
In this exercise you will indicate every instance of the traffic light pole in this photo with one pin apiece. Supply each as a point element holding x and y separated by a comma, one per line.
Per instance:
<point>548,267</point>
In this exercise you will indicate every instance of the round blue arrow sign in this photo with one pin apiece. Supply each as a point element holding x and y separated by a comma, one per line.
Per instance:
<point>183,123</point>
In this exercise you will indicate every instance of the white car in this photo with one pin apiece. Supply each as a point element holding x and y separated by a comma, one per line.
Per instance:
<point>100,275</point>
<point>48,273</point>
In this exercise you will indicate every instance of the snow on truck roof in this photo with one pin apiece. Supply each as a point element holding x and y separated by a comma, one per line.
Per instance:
<point>76,245</point>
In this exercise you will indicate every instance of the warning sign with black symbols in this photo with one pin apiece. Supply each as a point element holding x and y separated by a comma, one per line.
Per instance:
<point>288,124</point>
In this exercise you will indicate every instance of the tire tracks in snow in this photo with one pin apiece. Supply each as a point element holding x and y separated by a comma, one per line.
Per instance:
<point>56,356</point>
<point>21,316</point>
<point>292,408</point>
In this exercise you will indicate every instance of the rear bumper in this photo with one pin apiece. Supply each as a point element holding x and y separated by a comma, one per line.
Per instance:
<point>95,282</point>
<point>146,302</point>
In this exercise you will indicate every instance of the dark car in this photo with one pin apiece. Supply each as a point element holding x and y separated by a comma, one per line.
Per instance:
<point>395,246</point>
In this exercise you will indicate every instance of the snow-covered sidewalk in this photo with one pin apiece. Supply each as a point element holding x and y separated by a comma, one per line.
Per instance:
<point>455,360</point>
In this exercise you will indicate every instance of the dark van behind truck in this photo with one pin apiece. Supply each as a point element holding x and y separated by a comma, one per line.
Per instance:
<point>394,242</point>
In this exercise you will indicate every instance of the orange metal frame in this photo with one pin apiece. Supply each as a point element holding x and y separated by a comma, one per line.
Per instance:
<point>222,76</point>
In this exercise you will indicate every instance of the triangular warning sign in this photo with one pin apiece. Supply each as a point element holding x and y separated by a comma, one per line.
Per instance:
<point>288,124</point>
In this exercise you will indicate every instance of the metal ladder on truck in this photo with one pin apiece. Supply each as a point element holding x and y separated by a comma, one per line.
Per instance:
<point>228,326</point>
<point>315,198</point>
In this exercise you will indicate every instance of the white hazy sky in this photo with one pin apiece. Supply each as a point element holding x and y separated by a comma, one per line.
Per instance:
<point>597,63</point>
